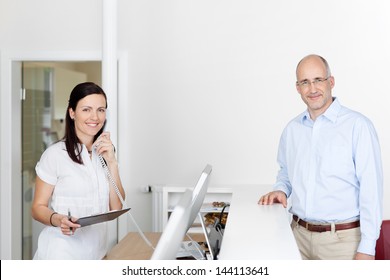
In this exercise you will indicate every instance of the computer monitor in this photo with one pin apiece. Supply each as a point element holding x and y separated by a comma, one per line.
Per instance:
<point>199,193</point>
<point>181,219</point>
<point>175,230</point>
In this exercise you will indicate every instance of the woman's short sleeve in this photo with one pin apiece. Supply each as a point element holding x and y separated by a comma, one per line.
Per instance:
<point>46,167</point>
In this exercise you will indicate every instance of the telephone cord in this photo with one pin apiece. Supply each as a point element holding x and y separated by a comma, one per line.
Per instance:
<point>105,167</point>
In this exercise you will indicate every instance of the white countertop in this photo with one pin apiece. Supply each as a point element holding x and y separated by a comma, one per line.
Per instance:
<point>256,231</point>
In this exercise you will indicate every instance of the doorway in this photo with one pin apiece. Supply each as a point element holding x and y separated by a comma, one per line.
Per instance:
<point>46,88</point>
<point>11,195</point>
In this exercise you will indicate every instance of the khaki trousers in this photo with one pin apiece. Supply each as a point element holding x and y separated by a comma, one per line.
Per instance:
<point>328,245</point>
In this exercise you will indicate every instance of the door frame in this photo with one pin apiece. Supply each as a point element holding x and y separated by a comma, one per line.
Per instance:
<point>10,140</point>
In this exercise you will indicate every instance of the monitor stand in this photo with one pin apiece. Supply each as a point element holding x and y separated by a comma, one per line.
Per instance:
<point>191,250</point>
<point>213,239</point>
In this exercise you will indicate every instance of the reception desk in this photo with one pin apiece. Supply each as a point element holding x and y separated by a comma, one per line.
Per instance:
<point>256,231</point>
<point>252,232</point>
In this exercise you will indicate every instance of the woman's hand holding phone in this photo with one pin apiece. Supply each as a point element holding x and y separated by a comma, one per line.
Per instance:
<point>104,147</point>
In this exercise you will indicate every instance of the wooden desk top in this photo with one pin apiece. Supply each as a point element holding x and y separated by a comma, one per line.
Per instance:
<point>133,247</point>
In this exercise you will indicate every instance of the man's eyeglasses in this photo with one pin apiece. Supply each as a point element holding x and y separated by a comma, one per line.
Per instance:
<point>315,82</point>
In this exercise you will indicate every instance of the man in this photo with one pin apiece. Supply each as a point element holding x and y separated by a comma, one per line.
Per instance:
<point>330,168</point>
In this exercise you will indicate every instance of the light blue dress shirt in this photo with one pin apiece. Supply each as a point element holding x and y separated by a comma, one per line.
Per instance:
<point>331,169</point>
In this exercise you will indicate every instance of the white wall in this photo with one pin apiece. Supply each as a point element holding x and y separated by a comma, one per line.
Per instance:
<point>213,81</point>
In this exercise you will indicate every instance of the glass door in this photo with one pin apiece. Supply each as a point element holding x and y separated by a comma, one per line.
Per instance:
<point>37,134</point>
<point>47,86</point>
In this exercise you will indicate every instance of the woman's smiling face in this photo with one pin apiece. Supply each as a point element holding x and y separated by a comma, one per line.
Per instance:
<point>89,116</point>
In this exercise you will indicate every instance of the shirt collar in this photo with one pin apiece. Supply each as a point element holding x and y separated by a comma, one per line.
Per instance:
<point>331,113</point>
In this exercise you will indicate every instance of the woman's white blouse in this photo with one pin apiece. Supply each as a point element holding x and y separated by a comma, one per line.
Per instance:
<point>84,190</point>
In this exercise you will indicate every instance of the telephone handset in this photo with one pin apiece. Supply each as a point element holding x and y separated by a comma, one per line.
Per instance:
<point>107,171</point>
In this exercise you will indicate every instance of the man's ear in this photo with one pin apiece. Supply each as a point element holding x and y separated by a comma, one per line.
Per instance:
<point>332,81</point>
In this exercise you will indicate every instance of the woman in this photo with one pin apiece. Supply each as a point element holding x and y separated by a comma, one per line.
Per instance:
<point>71,181</point>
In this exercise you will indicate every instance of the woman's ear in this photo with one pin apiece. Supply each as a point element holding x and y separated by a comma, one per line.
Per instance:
<point>71,113</point>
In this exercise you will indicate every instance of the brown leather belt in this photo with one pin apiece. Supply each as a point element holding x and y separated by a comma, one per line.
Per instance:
<point>322,228</point>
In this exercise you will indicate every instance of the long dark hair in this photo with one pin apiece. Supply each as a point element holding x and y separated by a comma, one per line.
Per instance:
<point>71,140</point>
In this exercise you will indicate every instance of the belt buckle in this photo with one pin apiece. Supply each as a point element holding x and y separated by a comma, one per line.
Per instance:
<point>307,226</point>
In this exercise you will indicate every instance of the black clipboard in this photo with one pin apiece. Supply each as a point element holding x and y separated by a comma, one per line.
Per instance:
<point>100,218</point>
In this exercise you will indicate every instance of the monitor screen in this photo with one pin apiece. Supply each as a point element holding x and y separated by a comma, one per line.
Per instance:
<point>181,219</point>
